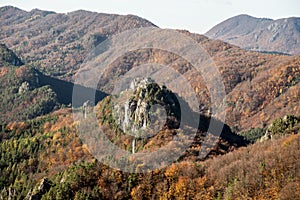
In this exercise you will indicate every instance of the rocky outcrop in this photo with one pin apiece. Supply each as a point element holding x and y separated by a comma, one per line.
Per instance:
<point>8,194</point>
<point>41,188</point>
<point>289,124</point>
<point>148,103</point>
<point>24,87</point>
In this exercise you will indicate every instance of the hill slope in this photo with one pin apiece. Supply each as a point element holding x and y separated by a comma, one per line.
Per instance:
<point>22,97</point>
<point>260,34</point>
<point>8,57</point>
<point>27,93</point>
<point>47,152</point>
<point>58,43</point>
<point>259,87</point>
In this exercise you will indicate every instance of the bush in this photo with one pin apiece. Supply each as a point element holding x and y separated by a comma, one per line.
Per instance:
<point>283,126</point>
<point>253,134</point>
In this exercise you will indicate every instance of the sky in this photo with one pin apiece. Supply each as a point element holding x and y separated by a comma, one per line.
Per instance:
<point>194,15</point>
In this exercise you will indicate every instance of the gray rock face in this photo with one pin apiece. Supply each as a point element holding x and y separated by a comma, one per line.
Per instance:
<point>24,87</point>
<point>148,106</point>
<point>40,189</point>
<point>8,194</point>
<point>268,136</point>
<point>147,109</point>
<point>138,109</point>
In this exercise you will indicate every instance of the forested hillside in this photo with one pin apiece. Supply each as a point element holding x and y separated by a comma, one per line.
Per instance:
<point>48,152</point>
<point>21,95</point>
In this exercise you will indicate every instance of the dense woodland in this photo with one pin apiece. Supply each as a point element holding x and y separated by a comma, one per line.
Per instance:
<point>21,95</point>
<point>47,151</point>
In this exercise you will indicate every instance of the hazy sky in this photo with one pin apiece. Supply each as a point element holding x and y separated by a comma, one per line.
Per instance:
<point>194,15</point>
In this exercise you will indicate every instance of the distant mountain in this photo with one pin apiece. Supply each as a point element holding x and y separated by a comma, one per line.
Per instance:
<point>260,34</point>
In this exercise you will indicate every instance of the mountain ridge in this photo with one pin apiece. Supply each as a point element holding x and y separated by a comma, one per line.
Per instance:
<point>32,35</point>
<point>260,34</point>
